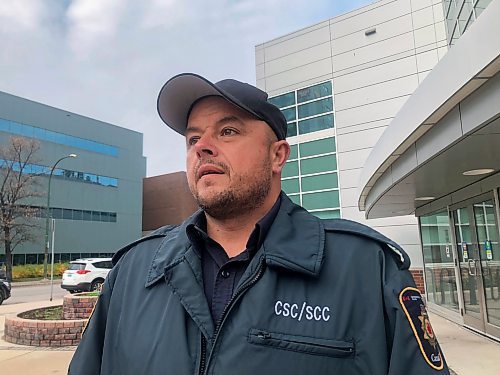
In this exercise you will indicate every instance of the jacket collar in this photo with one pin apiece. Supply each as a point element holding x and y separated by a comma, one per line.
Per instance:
<point>294,242</point>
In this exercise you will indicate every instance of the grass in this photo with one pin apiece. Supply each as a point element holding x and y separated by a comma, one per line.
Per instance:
<point>45,313</point>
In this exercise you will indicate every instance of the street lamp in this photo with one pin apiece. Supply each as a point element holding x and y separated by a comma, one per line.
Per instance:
<point>47,215</point>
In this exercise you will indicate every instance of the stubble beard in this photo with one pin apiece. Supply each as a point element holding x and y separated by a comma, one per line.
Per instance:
<point>246,193</point>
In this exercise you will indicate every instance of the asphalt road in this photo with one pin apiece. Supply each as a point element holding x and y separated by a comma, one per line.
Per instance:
<point>22,294</point>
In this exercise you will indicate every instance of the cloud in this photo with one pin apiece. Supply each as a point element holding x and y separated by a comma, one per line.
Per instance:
<point>108,59</point>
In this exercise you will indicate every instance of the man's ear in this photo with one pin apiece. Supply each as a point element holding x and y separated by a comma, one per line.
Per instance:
<point>280,151</point>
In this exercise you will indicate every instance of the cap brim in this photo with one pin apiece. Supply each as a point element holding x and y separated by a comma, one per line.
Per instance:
<point>178,95</point>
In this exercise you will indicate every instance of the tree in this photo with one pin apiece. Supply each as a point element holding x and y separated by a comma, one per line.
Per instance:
<point>18,188</point>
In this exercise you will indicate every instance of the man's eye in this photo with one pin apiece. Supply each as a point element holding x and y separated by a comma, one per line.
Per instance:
<point>228,131</point>
<point>192,141</point>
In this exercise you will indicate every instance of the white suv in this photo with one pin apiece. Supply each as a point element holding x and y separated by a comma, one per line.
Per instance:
<point>86,275</point>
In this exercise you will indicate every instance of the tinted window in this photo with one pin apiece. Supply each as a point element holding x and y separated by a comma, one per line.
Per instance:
<point>76,266</point>
<point>283,100</point>
<point>104,264</point>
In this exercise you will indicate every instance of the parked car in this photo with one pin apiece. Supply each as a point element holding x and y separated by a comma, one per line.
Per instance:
<point>4,290</point>
<point>85,275</point>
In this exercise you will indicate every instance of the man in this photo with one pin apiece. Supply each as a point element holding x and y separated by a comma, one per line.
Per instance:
<point>252,283</point>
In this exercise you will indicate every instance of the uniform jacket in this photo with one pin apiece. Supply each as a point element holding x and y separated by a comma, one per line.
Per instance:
<point>319,297</point>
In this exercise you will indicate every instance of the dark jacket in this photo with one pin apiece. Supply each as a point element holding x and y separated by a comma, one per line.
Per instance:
<point>319,297</point>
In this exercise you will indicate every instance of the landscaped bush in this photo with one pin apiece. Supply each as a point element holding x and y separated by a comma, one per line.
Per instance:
<point>33,271</point>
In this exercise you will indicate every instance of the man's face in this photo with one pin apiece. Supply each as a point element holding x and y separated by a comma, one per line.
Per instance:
<point>228,158</point>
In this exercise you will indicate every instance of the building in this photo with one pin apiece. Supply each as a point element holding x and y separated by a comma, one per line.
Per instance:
<point>166,201</point>
<point>96,198</point>
<point>340,83</point>
<point>439,159</point>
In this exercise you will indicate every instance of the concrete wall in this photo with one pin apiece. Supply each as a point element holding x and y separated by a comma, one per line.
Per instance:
<point>373,75</point>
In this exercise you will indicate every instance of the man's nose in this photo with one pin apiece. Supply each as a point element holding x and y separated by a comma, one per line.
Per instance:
<point>205,146</point>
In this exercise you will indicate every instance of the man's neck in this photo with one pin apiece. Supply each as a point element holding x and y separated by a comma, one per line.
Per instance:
<point>233,233</point>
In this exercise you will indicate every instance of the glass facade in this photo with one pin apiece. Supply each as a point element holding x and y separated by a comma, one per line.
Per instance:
<point>310,176</point>
<point>460,14</point>
<point>72,214</point>
<point>307,110</point>
<point>438,260</point>
<point>64,173</point>
<point>41,134</point>
<point>461,251</point>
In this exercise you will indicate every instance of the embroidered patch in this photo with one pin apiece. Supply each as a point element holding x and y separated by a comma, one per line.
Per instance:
<point>414,308</point>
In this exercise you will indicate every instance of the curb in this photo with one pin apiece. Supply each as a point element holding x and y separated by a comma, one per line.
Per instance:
<point>20,284</point>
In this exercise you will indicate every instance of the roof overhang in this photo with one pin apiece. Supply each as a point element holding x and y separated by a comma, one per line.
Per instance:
<point>428,145</point>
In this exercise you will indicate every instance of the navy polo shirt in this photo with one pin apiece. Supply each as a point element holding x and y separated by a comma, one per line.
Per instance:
<point>221,274</point>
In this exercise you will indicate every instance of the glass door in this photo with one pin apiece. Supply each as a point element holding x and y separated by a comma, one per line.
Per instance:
<point>476,233</point>
<point>468,255</point>
<point>485,217</point>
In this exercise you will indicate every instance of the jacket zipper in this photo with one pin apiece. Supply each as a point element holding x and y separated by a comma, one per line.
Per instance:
<point>226,310</point>
<point>203,355</point>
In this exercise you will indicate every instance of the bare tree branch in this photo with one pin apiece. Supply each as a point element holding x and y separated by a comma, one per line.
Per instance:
<point>17,190</point>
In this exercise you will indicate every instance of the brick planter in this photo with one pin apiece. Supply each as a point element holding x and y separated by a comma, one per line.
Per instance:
<point>53,333</point>
<point>78,306</point>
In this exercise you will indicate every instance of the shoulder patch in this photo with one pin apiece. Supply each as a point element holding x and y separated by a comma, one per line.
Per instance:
<point>353,227</point>
<point>158,233</point>
<point>414,309</point>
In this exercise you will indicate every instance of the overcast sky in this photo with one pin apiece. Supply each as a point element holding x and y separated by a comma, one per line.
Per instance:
<point>107,59</point>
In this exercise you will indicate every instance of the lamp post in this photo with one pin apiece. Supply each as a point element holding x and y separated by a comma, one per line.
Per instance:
<point>47,215</point>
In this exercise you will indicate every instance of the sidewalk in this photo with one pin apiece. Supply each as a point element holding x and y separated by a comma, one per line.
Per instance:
<point>466,352</point>
<point>28,360</point>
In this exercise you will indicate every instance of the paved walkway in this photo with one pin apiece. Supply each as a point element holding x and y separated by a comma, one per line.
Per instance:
<point>466,352</point>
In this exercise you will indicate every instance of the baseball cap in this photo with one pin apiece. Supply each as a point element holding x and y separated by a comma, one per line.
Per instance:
<point>179,94</point>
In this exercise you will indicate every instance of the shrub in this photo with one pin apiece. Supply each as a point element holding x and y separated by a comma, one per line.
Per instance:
<point>33,271</point>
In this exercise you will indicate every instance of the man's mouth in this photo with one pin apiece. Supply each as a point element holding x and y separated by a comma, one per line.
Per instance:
<point>208,169</point>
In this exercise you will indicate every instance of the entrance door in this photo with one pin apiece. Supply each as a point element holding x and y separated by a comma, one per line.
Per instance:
<point>476,232</point>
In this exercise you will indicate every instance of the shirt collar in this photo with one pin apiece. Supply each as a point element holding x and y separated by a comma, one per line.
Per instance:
<point>296,243</point>
<point>197,230</point>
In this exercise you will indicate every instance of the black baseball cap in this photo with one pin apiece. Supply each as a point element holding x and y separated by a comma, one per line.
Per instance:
<point>180,93</point>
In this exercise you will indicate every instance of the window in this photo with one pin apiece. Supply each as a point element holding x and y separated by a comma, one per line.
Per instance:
<point>329,214</point>
<point>67,214</point>
<point>321,146</point>
<point>320,182</point>
<point>314,92</point>
<point>56,213</point>
<point>96,216</point>
<point>290,186</point>
<point>103,264</point>
<point>289,114</point>
<point>290,169</point>
<point>284,100</point>
<point>314,100</point>
<point>315,124</point>
<point>321,200</point>
<point>87,215</point>
<point>295,198</point>
<point>310,176</point>
<point>320,164</point>
<point>315,108</point>
<point>55,137</point>
<point>76,266</point>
